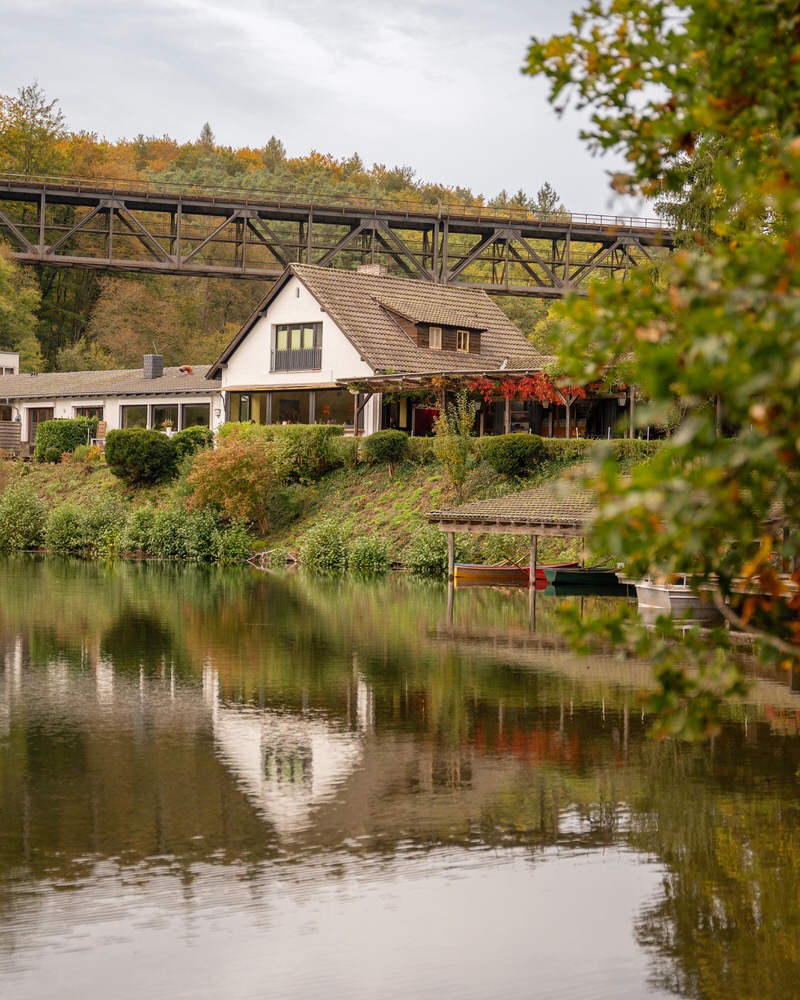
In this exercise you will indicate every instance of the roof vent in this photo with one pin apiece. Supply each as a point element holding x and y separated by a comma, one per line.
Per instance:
<point>153,366</point>
<point>376,270</point>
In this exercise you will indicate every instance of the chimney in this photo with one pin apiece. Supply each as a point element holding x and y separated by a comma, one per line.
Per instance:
<point>376,270</point>
<point>153,366</point>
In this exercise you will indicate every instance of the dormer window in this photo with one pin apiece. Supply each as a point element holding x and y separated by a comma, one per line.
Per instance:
<point>435,338</point>
<point>462,341</point>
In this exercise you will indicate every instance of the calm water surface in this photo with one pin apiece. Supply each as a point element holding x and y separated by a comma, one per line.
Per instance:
<point>223,785</point>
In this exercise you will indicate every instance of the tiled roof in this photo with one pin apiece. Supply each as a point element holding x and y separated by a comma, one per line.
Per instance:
<point>125,382</point>
<point>353,299</point>
<point>556,505</point>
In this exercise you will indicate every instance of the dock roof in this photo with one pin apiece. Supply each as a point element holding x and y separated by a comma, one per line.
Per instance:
<point>562,509</point>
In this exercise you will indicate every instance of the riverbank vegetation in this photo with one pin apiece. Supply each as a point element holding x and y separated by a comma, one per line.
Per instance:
<point>294,493</point>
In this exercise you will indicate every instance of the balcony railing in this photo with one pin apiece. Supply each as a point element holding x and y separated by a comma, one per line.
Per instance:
<point>302,359</point>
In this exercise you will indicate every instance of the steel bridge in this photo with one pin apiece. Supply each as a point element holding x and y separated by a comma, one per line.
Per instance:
<point>218,233</point>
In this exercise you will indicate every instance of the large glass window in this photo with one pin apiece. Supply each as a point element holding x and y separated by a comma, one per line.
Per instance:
<point>333,406</point>
<point>133,416</point>
<point>5,412</point>
<point>196,415</point>
<point>290,407</point>
<point>165,417</point>
<point>297,347</point>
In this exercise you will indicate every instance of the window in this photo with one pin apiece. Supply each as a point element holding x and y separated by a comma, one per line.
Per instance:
<point>165,417</point>
<point>462,341</point>
<point>297,347</point>
<point>89,411</point>
<point>196,415</point>
<point>5,412</point>
<point>435,338</point>
<point>37,415</point>
<point>333,406</point>
<point>133,416</point>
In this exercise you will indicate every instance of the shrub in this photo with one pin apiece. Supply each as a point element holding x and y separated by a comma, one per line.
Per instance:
<point>246,431</point>
<point>191,440</point>
<point>200,535</point>
<point>168,534</point>
<point>427,553</point>
<point>369,557</point>
<point>140,457</point>
<point>54,437</point>
<point>346,451</point>
<point>23,517</point>
<point>421,450</point>
<point>138,532</point>
<point>388,446</point>
<point>324,548</point>
<point>513,455</point>
<point>233,543</point>
<point>105,521</point>
<point>67,531</point>
<point>238,478</point>
<point>306,451</point>
<point>453,442</point>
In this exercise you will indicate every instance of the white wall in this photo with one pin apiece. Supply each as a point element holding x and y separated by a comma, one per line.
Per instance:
<point>9,359</point>
<point>65,408</point>
<point>249,365</point>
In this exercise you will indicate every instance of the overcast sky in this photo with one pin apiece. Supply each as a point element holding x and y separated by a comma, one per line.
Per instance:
<point>431,84</point>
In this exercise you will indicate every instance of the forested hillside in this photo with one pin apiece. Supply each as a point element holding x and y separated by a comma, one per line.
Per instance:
<point>68,319</point>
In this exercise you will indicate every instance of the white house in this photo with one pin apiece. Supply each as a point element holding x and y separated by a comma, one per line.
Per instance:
<point>150,396</point>
<point>319,327</point>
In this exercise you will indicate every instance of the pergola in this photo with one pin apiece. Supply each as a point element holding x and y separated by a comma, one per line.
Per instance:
<point>440,382</point>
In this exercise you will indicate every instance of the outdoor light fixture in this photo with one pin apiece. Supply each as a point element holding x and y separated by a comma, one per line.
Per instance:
<point>217,413</point>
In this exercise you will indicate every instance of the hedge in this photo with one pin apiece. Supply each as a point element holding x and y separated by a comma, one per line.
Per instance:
<point>54,437</point>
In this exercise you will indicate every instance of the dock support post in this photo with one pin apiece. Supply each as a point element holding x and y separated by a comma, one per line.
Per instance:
<point>451,555</point>
<point>532,570</point>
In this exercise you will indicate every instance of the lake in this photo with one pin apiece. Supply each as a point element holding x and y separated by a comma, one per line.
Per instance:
<point>220,784</point>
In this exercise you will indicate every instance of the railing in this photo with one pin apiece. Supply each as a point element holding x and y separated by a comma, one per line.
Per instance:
<point>332,202</point>
<point>301,359</point>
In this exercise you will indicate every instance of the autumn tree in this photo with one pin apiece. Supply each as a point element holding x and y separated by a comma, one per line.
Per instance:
<point>702,99</point>
<point>31,128</point>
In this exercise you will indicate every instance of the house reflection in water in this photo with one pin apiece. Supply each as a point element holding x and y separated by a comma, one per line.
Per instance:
<point>289,764</point>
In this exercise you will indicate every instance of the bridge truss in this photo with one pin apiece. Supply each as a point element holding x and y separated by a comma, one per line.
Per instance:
<point>218,234</point>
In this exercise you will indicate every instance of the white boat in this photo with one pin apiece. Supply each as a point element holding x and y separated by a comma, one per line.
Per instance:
<point>677,597</point>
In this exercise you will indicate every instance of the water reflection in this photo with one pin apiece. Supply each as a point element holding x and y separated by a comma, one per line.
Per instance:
<point>226,771</point>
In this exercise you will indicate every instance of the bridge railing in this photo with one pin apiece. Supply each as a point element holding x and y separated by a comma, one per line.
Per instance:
<point>247,197</point>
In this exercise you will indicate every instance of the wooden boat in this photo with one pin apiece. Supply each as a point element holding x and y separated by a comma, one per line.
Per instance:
<point>501,575</point>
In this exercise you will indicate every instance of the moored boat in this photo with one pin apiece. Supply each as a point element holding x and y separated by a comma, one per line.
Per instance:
<point>675,596</point>
<point>502,574</point>
<point>579,576</point>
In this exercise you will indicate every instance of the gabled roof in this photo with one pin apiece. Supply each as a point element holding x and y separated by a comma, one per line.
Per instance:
<point>97,384</point>
<point>359,304</point>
